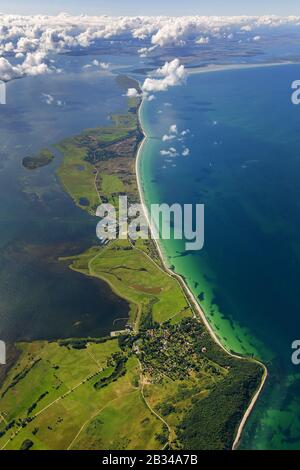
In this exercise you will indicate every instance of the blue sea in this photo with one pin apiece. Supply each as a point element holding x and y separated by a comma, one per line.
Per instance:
<point>242,133</point>
<point>236,149</point>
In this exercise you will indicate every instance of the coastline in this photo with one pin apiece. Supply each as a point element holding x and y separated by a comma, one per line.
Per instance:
<point>189,295</point>
<point>222,68</point>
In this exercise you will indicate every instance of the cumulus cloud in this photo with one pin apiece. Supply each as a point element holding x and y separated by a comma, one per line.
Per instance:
<point>102,65</point>
<point>7,71</point>
<point>171,152</point>
<point>132,93</point>
<point>52,34</point>
<point>202,40</point>
<point>97,63</point>
<point>33,64</point>
<point>166,137</point>
<point>50,100</point>
<point>173,129</point>
<point>178,136</point>
<point>170,74</point>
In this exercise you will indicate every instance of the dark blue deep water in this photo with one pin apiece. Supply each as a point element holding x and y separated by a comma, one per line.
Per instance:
<point>244,165</point>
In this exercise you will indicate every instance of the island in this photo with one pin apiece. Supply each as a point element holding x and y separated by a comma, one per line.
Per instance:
<point>43,158</point>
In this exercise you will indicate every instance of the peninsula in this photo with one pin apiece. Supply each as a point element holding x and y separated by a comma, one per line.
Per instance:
<point>162,382</point>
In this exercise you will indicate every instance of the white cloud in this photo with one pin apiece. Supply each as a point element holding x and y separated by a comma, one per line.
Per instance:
<point>7,71</point>
<point>104,65</point>
<point>172,73</point>
<point>50,100</point>
<point>175,134</point>
<point>97,63</point>
<point>167,137</point>
<point>202,40</point>
<point>47,34</point>
<point>132,93</point>
<point>256,38</point>
<point>173,129</point>
<point>186,152</point>
<point>150,98</point>
<point>171,152</point>
<point>34,64</point>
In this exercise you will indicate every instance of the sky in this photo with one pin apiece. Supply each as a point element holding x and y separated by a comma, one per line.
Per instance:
<point>153,7</point>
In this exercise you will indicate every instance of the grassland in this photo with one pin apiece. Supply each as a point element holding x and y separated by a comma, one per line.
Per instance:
<point>164,383</point>
<point>64,417</point>
<point>154,296</point>
<point>98,164</point>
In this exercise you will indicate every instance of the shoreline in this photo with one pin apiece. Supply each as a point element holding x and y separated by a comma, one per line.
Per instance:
<point>222,68</point>
<point>190,297</point>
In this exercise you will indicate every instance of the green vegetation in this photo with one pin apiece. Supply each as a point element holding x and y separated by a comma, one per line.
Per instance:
<point>154,295</point>
<point>119,394</point>
<point>116,370</point>
<point>43,158</point>
<point>26,445</point>
<point>70,407</point>
<point>78,176</point>
<point>98,164</point>
<point>216,387</point>
<point>164,383</point>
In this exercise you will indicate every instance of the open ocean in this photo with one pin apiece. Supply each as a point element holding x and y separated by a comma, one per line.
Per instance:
<point>243,134</point>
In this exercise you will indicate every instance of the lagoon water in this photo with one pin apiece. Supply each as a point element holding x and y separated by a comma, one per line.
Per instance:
<point>243,134</point>
<point>40,298</point>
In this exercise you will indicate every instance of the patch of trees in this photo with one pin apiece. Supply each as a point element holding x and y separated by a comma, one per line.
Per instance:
<point>34,405</point>
<point>166,409</point>
<point>212,423</point>
<point>147,322</point>
<point>21,375</point>
<point>26,445</point>
<point>119,371</point>
<point>81,343</point>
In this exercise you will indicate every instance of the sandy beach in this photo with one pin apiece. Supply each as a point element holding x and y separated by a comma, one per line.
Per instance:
<point>222,68</point>
<point>189,295</point>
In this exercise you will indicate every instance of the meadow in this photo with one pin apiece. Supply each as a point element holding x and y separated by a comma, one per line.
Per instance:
<point>163,382</point>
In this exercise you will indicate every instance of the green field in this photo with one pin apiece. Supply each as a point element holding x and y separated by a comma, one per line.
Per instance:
<point>83,171</point>
<point>163,383</point>
<point>153,294</point>
<point>65,416</point>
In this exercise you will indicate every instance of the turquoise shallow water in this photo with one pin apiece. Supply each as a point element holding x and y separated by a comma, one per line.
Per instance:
<point>244,165</point>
